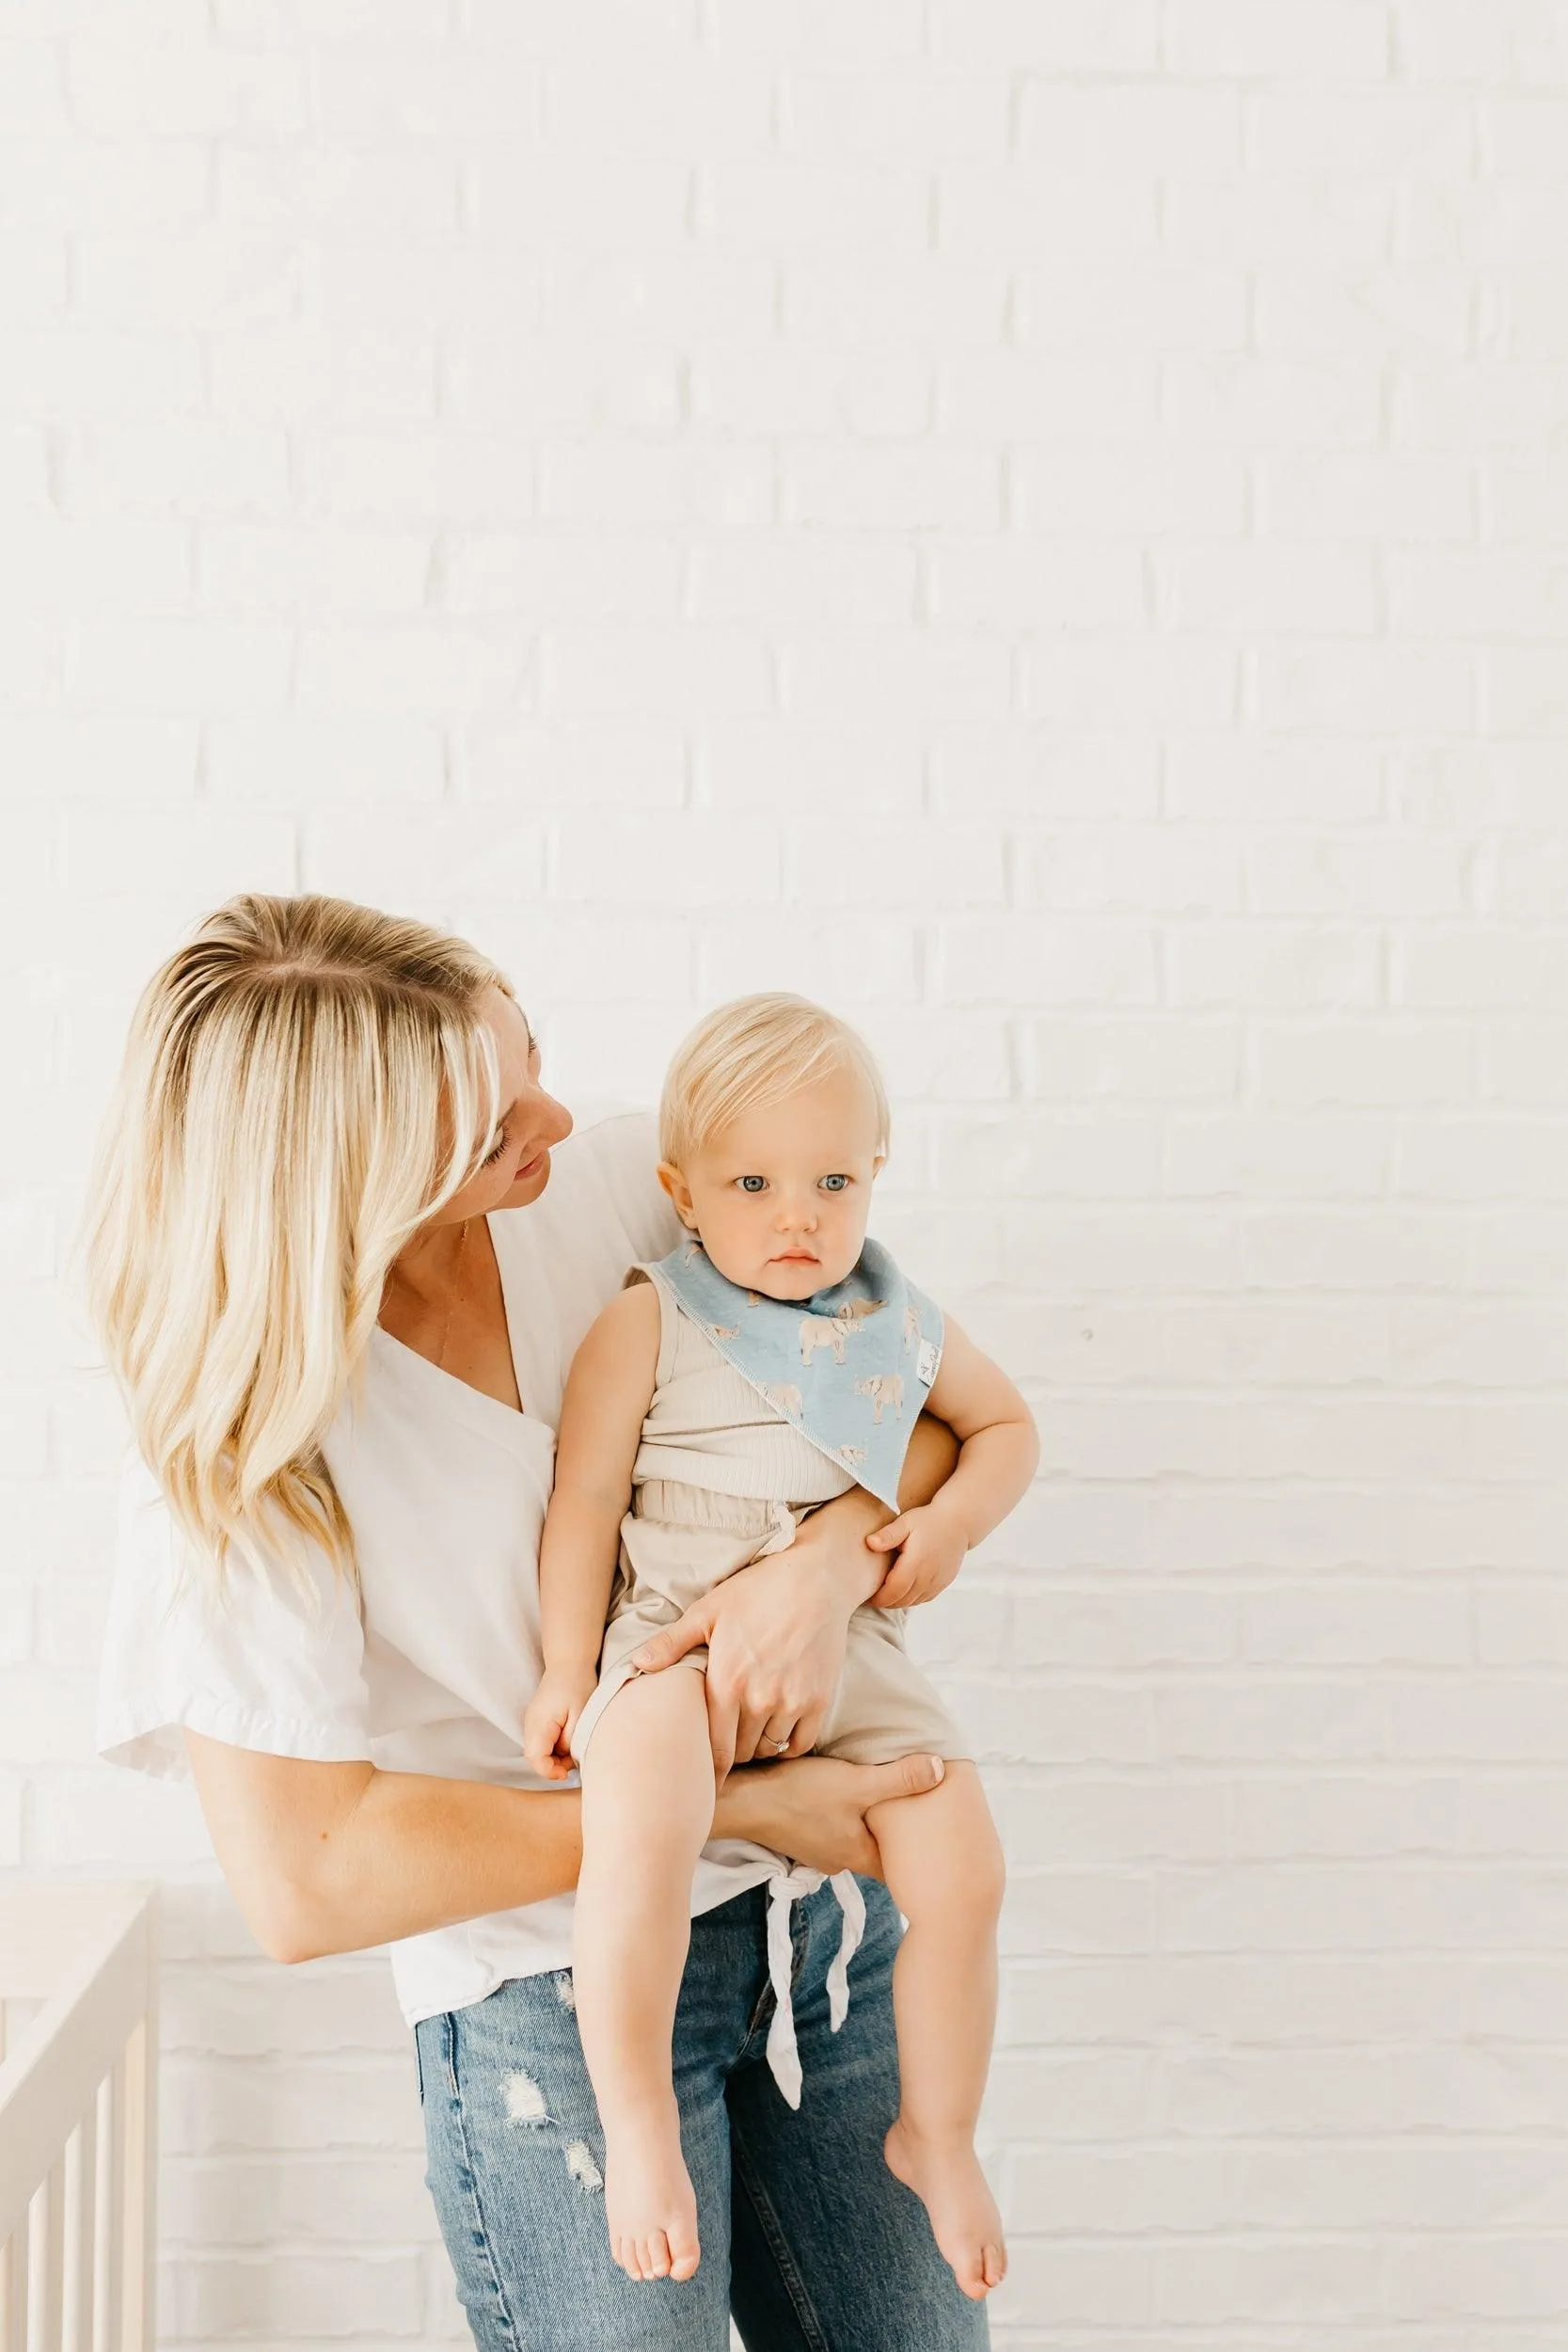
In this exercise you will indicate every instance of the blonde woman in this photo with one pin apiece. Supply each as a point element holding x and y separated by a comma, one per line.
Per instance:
<point>339,1275</point>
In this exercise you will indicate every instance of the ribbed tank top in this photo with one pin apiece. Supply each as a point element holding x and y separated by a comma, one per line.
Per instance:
<point>707,1426</point>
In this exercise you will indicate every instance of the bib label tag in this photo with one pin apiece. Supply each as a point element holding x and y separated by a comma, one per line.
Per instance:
<point>927,1361</point>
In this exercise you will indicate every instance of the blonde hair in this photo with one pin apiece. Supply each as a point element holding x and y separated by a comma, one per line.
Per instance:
<point>751,1053</point>
<point>302,1085</point>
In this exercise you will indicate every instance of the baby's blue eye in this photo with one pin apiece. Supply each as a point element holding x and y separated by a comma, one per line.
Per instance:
<point>835,1183</point>
<point>752,1183</point>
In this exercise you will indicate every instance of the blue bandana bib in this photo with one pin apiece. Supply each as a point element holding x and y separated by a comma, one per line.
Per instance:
<point>850,1366</point>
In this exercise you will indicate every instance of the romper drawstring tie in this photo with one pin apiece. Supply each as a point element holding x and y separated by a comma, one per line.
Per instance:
<point>783,2057</point>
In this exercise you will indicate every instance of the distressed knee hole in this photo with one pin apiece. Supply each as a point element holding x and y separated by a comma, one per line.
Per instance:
<point>525,2100</point>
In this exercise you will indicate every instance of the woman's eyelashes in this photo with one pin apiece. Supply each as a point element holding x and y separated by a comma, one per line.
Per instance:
<point>495,1152</point>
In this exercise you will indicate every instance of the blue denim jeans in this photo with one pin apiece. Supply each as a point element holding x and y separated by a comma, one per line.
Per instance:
<point>805,2232</point>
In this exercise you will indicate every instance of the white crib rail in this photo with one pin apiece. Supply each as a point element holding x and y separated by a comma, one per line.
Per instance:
<point>78,2118</point>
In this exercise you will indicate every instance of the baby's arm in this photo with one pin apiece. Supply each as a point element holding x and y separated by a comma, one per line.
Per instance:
<point>602,1413</point>
<point>998,1450</point>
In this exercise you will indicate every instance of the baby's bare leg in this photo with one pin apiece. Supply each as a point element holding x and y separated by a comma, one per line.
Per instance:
<point>647,1807</point>
<point>943,1862</point>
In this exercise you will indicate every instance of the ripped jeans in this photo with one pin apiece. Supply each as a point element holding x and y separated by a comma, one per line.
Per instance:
<point>805,2232</point>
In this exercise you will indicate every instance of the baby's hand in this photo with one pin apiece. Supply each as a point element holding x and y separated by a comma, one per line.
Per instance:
<point>930,1543</point>
<point>551,1718</point>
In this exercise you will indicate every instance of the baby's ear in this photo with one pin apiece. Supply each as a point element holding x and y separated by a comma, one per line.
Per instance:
<point>679,1191</point>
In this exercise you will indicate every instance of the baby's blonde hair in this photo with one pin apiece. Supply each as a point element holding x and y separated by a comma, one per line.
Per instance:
<point>751,1053</point>
<point>303,1084</point>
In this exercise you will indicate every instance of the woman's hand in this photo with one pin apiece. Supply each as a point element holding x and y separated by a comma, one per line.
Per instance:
<point>551,1718</point>
<point>814,1809</point>
<point>775,1634</point>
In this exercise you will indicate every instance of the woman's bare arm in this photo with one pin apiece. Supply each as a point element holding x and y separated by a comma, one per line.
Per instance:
<point>332,1857</point>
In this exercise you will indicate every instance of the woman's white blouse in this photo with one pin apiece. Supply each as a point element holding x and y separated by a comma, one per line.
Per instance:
<point>446,1492</point>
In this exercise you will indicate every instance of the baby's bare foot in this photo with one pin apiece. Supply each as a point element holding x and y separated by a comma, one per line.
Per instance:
<point>945,2175</point>
<point>649,2204</point>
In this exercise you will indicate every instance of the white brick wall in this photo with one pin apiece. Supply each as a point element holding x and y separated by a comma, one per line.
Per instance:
<point>1046,524</point>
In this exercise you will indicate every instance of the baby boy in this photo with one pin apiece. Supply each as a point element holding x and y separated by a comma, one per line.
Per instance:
<point>776,1357</point>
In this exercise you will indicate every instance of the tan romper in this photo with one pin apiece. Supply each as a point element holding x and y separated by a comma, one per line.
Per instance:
<point>720,1479</point>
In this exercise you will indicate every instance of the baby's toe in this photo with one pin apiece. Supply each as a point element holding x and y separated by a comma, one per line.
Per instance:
<point>656,2256</point>
<point>969,2272</point>
<point>685,2255</point>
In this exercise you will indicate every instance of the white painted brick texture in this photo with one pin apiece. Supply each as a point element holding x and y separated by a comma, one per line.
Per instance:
<point>1047,526</point>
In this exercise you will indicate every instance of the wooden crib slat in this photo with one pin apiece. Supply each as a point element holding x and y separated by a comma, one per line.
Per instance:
<point>81,2185</point>
<point>107,2215</point>
<point>45,2263</point>
<point>13,2291</point>
<point>136,2265</point>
